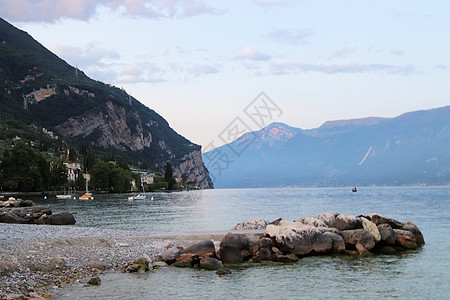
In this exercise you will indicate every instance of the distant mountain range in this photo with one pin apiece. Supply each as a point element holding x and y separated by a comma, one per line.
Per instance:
<point>413,148</point>
<point>42,94</point>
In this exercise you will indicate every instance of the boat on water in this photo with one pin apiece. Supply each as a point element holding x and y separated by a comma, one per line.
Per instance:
<point>139,196</point>
<point>354,190</point>
<point>65,196</point>
<point>87,195</point>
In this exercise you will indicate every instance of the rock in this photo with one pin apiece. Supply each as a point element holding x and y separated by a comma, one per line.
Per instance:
<point>231,255</point>
<point>409,226</point>
<point>62,218</point>
<point>98,264</point>
<point>182,264</point>
<point>387,234</point>
<point>159,264</point>
<point>170,255</point>
<point>361,249</point>
<point>311,221</point>
<point>276,222</point>
<point>338,242</point>
<point>145,261</point>
<point>379,219</point>
<point>95,281</point>
<point>372,228</point>
<point>209,263</point>
<point>387,249</point>
<point>346,222</point>
<point>265,249</point>
<point>365,238</point>
<point>299,239</point>
<point>405,238</point>
<point>251,224</point>
<point>186,257</point>
<point>236,247</point>
<point>7,217</point>
<point>223,271</point>
<point>327,218</point>
<point>201,248</point>
<point>288,258</point>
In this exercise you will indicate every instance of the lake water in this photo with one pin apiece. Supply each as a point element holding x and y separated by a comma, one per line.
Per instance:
<point>419,274</point>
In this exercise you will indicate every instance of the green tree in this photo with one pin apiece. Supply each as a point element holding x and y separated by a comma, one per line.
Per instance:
<point>58,174</point>
<point>106,176</point>
<point>27,167</point>
<point>89,159</point>
<point>168,174</point>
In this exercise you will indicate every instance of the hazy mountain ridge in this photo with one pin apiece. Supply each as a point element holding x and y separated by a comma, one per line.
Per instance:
<point>43,91</point>
<point>412,148</point>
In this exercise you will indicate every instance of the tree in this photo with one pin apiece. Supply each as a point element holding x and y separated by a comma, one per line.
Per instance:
<point>58,174</point>
<point>168,174</point>
<point>26,167</point>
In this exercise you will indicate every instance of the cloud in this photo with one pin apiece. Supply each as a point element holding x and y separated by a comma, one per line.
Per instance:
<point>85,56</point>
<point>53,10</point>
<point>269,3</point>
<point>348,68</point>
<point>251,54</point>
<point>292,37</point>
<point>200,70</point>
<point>343,52</point>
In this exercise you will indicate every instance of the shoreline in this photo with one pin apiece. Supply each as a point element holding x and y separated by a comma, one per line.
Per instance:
<point>43,258</point>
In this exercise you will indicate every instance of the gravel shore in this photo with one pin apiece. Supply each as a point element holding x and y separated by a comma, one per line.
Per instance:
<point>40,258</point>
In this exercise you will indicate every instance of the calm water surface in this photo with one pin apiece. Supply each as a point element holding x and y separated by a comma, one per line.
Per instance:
<point>422,274</point>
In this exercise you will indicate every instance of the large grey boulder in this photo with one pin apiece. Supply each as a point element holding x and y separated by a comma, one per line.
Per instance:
<point>328,218</point>
<point>405,239</point>
<point>379,219</point>
<point>346,222</point>
<point>62,218</point>
<point>170,255</point>
<point>411,227</point>
<point>201,248</point>
<point>299,239</point>
<point>7,217</point>
<point>210,263</point>
<point>387,234</point>
<point>236,247</point>
<point>361,236</point>
<point>251,224</point>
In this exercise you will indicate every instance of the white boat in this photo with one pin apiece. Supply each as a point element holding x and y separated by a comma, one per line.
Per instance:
<point>139,196</point>
<point>66,196</point>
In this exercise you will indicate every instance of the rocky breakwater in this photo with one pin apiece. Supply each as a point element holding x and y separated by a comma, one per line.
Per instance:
<point>18,211</point>
<point>256,240</point>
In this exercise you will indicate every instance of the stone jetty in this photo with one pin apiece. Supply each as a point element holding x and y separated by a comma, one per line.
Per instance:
<point>257,240</point>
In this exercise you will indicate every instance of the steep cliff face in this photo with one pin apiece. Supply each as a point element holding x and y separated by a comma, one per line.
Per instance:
<point>43,91</point>
<point>192,164</point>
<point>112,127</point>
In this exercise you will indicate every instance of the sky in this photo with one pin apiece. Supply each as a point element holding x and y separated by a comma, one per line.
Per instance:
<point>210,66</point>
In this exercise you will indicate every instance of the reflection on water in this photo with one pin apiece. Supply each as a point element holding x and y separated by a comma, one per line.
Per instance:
<point>415,274</point>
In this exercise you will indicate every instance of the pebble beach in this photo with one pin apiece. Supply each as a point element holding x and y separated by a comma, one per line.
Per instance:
<point>35,260</point>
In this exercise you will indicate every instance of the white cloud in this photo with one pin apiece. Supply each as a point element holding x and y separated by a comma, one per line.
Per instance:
<point>251,54</point>
<point>343,52</point>
<point>292,37</point>
<point>349,68</point>
<point>53,10</point>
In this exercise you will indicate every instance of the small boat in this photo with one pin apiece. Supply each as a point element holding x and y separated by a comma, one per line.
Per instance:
<point>87,195</point>
<point>64,196</point>
<point>354,190</point>
<point>138,196</point>
<point>1,197</point>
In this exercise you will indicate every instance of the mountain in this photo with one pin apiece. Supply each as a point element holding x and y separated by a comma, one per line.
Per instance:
<point>41,93</point>
<point>413,148</point>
